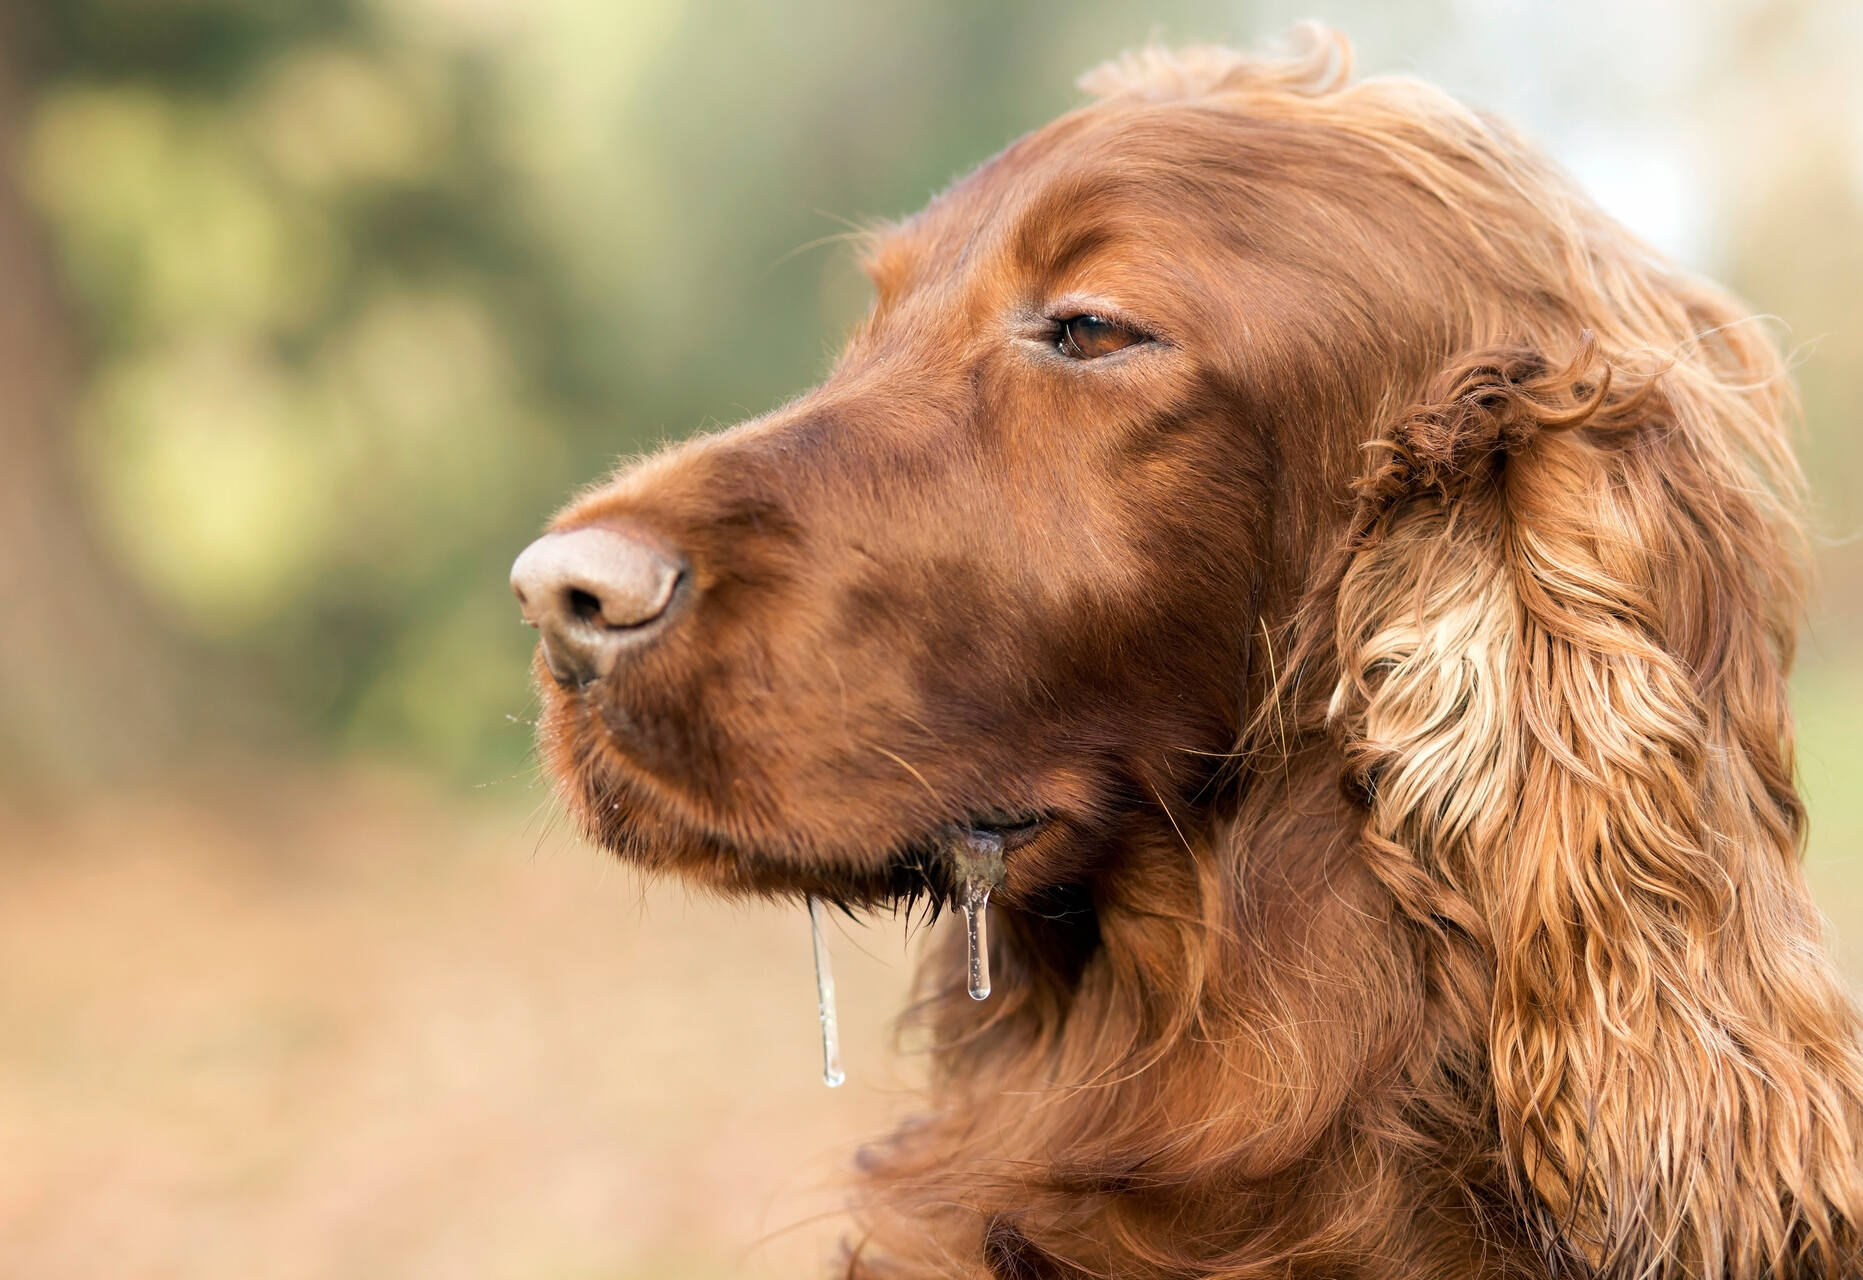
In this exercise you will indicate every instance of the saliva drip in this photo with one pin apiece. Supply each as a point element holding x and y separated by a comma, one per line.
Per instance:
<point>977,864</point>
<point>977,857</point>
<point>976,907</point>
<point>832,1074</point>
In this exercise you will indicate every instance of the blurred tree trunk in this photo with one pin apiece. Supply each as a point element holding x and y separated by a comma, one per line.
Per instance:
<point>88,685</point>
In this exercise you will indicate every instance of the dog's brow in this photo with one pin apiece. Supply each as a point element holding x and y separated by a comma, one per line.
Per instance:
<point>1067,222</point>
<point>1055,255</point>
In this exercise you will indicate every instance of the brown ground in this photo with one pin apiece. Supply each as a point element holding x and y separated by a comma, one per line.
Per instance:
<point>343,1031</point>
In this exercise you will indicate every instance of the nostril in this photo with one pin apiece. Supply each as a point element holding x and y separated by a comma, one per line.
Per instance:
<point>585,606</point>
<point>591,593</point>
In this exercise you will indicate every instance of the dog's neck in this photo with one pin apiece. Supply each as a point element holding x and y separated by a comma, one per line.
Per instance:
<point>1210,1064</point>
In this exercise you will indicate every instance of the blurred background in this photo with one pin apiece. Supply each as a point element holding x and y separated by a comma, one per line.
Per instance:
<point>311,311</point>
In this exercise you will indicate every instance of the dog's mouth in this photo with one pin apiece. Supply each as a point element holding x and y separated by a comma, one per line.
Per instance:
<point>712,819</point>
<point>928,874</point>
<point>957,864</point>
<point>715,817</point>
<point>662,828</point>
<point>936,869</point>
<point>739,833</point>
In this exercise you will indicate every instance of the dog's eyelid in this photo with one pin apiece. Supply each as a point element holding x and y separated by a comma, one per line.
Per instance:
<point>1074,306</point>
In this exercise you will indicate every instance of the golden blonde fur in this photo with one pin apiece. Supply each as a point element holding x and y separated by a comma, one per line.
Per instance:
<point>1563,625</point>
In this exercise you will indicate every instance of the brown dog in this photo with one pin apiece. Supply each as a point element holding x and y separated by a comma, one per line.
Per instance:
<point>1237,435</point>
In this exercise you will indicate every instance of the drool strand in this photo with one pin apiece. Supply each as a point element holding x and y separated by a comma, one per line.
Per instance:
<point>977,927</point>
<point>832,1075</point>
<point>978,858</point>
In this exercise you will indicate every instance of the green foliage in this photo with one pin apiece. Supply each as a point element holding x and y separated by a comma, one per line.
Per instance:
<point>369,288</point>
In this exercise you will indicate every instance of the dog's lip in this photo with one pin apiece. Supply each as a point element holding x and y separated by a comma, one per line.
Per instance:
<point>927,868</point>
<point>925,858</point>
<point>1015,829</point>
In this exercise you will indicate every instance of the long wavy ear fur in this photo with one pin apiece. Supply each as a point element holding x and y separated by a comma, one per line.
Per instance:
<point>1562,625</point>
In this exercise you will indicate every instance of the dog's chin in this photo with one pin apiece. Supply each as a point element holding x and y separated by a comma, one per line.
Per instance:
<point>879,864</point>
<point>779,870</point>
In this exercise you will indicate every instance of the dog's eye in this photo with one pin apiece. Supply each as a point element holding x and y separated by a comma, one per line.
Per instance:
<point>1089,337</point>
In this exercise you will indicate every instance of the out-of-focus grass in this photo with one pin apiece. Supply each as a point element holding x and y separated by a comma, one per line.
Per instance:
<point>1829,702</point>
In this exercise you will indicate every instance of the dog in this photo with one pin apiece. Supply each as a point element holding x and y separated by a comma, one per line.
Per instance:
<point>1350,582</point>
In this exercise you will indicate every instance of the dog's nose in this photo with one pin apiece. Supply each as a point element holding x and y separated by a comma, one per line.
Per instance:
<point>592,593</point>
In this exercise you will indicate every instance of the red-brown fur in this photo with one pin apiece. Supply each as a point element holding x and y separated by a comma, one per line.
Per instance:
<point>1434,483</point>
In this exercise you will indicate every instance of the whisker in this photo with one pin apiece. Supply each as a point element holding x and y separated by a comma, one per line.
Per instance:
<point>905,764</point>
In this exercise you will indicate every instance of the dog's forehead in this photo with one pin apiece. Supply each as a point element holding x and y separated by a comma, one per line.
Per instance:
<point>1052,192</point>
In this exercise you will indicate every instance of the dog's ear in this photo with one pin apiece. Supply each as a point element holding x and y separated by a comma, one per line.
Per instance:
<point>1562,626</point>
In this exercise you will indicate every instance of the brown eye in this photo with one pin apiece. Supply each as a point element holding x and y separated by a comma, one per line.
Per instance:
<point>1089,337</point>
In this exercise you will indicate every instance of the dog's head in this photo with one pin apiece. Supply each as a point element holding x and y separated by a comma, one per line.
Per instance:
<point>1234,395</point>
<point>1013,562</point>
